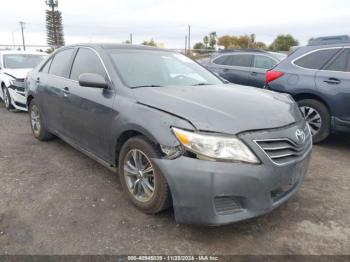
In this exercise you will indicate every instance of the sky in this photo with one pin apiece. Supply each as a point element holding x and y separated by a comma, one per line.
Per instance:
<point>166,21</point>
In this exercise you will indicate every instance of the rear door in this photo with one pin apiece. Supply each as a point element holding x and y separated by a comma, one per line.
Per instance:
<point>88,111</point>
<point>50,82</point>
<point>261,64</point>
<point>334,81</point>
<point>235,68</point>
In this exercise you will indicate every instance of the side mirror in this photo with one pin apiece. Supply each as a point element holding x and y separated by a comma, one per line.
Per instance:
<point>92,80</point>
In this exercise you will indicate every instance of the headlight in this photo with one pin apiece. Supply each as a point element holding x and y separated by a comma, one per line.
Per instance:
<point>215,147</point>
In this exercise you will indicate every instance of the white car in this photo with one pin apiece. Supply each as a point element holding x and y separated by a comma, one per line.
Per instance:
<point>14,66</point>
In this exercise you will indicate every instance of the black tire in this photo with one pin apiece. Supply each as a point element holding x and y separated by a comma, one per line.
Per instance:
<point>161,198</point>
<point>40,132</point>
<point>7,98</point>
<point>322,110</point>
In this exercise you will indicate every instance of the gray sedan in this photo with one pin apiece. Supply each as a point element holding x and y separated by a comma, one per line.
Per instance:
<point>173,131</point>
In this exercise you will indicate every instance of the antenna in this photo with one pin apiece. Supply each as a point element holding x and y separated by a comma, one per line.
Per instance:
<point>52,3</point>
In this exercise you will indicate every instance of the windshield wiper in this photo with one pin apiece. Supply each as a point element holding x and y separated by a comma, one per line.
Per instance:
<point>146,86</point>
<point>202,84</point>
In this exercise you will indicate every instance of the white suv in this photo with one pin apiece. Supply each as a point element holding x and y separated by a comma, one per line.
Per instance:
<point>14,66</point>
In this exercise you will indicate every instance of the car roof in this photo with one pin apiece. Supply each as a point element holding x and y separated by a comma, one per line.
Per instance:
<point>119,46</point>
<point>275,55</point>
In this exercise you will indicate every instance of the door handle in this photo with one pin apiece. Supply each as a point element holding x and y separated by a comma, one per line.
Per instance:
<point>226,70</point>
<point>333,81</point>
<point>66,91</point>
<point>254,73</point>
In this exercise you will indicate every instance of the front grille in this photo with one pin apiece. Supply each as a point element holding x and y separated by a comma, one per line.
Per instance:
<point>225,205</point>
<point>284,150</point>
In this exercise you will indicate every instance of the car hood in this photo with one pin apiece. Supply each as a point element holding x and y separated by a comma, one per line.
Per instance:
<point>227,108</point>
<point>17,73</point>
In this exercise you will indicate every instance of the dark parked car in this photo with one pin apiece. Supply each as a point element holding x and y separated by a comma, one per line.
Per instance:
<point>176,133</point>
<point>243,67</point>
<point>318,78</point>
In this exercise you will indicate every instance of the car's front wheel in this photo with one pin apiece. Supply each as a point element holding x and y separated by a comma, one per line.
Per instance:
<point>142,181</point>
<point>318,118</point>
<point>7,98</point>
<point>38,123</point>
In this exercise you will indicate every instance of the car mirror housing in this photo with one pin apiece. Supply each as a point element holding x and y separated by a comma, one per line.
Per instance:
<point>92,80</point>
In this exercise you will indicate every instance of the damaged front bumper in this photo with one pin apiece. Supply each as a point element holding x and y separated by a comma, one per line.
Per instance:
<point>18,96</point>
<point>216,193</point>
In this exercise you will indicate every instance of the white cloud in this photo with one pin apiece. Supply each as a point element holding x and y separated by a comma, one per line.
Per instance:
<point>166,20</point>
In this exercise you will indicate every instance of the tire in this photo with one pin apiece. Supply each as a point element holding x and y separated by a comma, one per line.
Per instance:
<point>309,109</point>
<point>38,123</point>
<point>160,198</point>
<point>7,98</point>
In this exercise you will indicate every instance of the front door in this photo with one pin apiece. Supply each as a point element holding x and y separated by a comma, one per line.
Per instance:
<point>88,111</point>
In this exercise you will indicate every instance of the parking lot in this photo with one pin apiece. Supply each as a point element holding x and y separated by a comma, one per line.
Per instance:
<point>55,200</point>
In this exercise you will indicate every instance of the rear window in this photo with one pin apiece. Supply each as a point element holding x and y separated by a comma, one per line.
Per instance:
<point>222,60</point>
<point>264,62</point>
<point>234,60</point>
<point>317,59</point>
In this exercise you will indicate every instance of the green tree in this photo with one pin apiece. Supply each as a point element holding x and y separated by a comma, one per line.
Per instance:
<point>206,41</point>
<point>149,43</point>
<point>212,40</point>
<point>227,40</point>
<point>283,43</point>
<point>259,45</point>
<point>199,46</point>
<point>54,29</point>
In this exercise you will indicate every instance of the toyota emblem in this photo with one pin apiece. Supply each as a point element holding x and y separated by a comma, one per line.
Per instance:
<point>300,136</point>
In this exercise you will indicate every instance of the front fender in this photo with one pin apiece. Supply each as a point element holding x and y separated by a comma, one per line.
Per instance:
<point>151,122</point>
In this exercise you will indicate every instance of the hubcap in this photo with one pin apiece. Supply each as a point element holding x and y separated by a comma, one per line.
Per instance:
<point>139,175</point>
<point>35,120</point>
<point>313,117</point>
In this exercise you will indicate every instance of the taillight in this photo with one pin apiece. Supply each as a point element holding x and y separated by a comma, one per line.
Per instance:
<point>272,75</point>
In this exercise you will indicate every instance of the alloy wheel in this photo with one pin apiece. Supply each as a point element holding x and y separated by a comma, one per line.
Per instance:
<point>6,98</point>
<point>139,175</point>
<point>35,120</point>
<point>313,117</point>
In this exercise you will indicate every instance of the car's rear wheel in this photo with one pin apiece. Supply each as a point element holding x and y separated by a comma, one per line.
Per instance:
<point>142,181</point>
<point>318,118</point>
<point>7,98</point>
<point>38,123</point>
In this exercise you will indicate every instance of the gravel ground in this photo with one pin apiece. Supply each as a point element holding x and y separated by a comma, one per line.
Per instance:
<point>55,200</point>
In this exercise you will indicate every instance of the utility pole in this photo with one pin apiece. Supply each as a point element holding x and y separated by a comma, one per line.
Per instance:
<point>185,44</point>
<point>189,39</point>
<point>130,39</point>
<point>13,41</point>
<point>22,26</point>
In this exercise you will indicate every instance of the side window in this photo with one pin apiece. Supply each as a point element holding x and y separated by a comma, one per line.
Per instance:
<point>86,61</point>
<point>222,60</point>
<point>46,67</point>
<point>340,62</point>
<point>264,62</point>
<point>317,59</point>
<point>60,63</point>
<point>241,60</point>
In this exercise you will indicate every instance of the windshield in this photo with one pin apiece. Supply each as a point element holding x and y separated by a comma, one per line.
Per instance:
<point>17,61</point>
<point>139,68</point>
